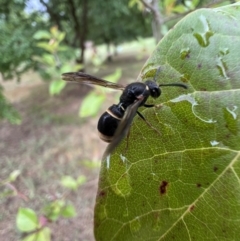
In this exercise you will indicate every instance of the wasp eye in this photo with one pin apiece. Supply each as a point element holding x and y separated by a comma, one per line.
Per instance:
<point>155,92</point>
<point>153,88</point>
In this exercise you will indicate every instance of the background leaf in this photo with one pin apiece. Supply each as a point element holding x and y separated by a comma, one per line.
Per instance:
<point>7,110</point>
<point>114,77</point>
<point>14,175</point>
<point>69,182</point>
<point>56,86</point>
<point>26,220</point>
<point>42,34</point>
<point>68,211</point>
<point>45,46</point>
<point>184,184</point>
<point>91,104</point>
<point>41,235</point>
<point>81,180</point>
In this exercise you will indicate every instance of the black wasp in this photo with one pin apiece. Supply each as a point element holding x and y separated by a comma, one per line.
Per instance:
<point>114,124</point>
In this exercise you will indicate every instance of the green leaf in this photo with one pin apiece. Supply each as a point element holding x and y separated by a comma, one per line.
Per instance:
<point>179,9</point>
<point>44,234</point>
<point>195,3</point>
<point>169,3</point>
<point>14,175</point>
<point>41,235</point>
<point>31,237</point>
<point>77,67</point>
<point>48,59</point>
<point>42,34</point>
<point>56,86</point>
<point>91,164</point>
<point>53,210</point>
<point>63,48</point>
<point>114,77</point>
<point>7,111</point>
<point>54,31</point>
<point>138,3</point>
<point>69,182</point>
<point>46,46</point>
<point>66,68</point>
<point>81,180</point>
<point>61,36</point>
<point>68,211</point>
<point>182,184</point>
<point>91,104</point>
<point>27,220</point>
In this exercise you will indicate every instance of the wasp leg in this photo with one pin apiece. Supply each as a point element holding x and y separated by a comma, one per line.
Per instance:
<point>148,106</point>
<point>148,123</point>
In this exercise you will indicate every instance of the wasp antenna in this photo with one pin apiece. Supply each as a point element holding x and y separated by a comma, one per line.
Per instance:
<point>175,84</point>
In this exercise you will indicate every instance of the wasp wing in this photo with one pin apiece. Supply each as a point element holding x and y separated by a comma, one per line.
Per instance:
<point>123,127</point>
<point>83,78</point>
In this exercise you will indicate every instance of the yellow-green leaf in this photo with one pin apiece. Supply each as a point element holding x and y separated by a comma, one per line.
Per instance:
<point>91,104</point>
<point>42,34</point>
<point>56,86</point>
<point>69,182</point>
<point>114,77</point>
<point>41,235</point>
<point>68,211</point>
<point>26,220</point>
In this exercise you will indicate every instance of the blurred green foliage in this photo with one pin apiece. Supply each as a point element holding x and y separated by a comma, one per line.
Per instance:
<point>8,189</point>
<point>71,183</point>
<point>54,61</point>
<point>114,22</point>
<point>7,111</point>
<point>16,43</point>
<point>16,48</point>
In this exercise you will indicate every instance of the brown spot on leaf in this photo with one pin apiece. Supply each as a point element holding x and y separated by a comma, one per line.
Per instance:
<point>215,168</point>
<point>199,66</point>
<point>199,184</point>
<point>102,194</point>
<point>191,208</point>
<point>156,215</point>
<point>228,135</point>
<point>163,187</point>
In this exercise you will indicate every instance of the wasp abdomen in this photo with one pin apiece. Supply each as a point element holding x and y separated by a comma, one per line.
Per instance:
<point>109,122</point>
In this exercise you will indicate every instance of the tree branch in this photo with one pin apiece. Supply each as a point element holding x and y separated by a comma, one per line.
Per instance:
<point>148,5</point>
<point>53,15</point>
